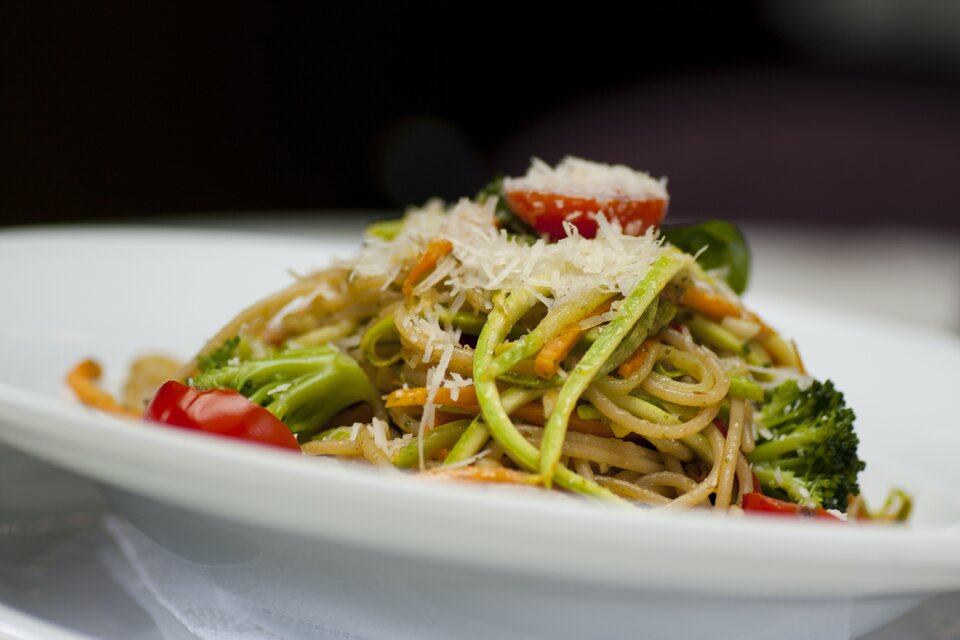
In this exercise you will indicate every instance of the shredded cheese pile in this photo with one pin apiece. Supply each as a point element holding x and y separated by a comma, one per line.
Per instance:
<point>577,178</point>
<point>486,259</point>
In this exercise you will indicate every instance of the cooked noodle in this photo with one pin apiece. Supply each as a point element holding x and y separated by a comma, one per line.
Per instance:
<point>615,368</point>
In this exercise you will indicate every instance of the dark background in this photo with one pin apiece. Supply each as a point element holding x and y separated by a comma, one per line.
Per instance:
<point>773,111</point>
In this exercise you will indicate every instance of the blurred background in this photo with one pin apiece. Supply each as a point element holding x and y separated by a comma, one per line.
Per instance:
<point>773,113</point>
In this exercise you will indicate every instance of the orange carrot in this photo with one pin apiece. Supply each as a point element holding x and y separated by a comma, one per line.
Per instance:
<point>555,350</point>
<point>417,397</point>
<point>632,364</point>
<point>557,347</point>
<point>713,305</point>
<point>436,250</point>
<point>482,474</point>
<point>82,380</point>
<point>533,414</point>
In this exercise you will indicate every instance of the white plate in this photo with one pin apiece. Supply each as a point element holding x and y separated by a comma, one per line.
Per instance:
<point>553,567</point>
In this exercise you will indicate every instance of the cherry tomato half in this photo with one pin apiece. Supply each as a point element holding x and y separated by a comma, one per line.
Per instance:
<point>759,503</point>
<point>546,212</point>
<point>221,411</point>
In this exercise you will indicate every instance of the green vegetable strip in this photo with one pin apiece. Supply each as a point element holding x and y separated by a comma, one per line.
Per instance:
<point>469,323</point>
<point>530,382</point>
<point>385,229</point>
<point>745,388</point>
<point>712,334</point>
<point>586,370</point>
<point>643,409</point>
<point>700,445</point>
<point>589,412</point>
<point>386,327</point>
<point>633,340</point>
<point>503,316</point>
<point>440,438</point>
<point>557,319</point>
<point>477,434</point>
<point>469,443</point>
<point>757,355</point>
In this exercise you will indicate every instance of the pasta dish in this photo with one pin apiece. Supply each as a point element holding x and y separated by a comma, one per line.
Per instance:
<point>550,332</point>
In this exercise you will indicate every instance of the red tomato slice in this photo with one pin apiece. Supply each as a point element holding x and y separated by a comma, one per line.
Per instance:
<point>546,212</point>
<point>759,503</point>
<point>221,411</point>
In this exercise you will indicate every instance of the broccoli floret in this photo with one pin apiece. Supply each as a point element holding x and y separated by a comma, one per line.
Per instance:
<point>304,388</point>
<point>220,356</point>
<point>809,455</point>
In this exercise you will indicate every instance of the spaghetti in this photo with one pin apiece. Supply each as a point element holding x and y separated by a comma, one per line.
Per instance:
<point>616,366</point>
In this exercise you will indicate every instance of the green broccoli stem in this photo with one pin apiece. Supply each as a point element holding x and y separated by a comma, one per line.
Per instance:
<point>788,444</point>
<point>785,481</point>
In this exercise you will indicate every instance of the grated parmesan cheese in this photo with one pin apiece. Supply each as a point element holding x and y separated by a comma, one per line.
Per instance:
<point>378,429</point>
<point>578,178</point>
<point>280,388</point>
<point>485,258</point>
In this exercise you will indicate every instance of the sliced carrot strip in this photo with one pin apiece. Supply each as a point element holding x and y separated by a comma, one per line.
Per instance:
<point>632,364</point>
<point>436,250</point>
<point>82,380</point>
<point>556,348</point>
<point>482,474</point>
<point>709,303</point>
<point>716,306</point>
<point>417,397</point>
<point>533,414</point>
